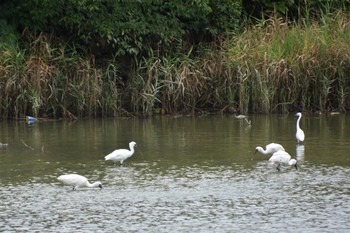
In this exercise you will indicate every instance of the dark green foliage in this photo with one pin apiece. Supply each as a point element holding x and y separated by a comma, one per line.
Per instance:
<point>124,27</point>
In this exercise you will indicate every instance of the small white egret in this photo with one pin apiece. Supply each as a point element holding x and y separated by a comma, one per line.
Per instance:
<point>270,148</point>
<point>77,181</point>
<point>121,154</point>
<point>240,116</point>
<point>282,157</point>
<point>3,144</point>
<point>245,118</point>
<point>300,133</point>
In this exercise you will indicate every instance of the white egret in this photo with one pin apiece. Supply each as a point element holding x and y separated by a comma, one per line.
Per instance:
<point>245,118</point>
<point>240,116</point>
<point>121,154</point>
<point>3,144</point>
<point>300,133</point>
<point>282,157</point>
<point>270,148</point>
<point>77,181</point>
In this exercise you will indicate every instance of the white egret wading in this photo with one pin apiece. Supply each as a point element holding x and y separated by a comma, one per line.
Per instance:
<point>270,148</point>
<point>121,154</point>
<point>77,181</point>
<point>3,144</point>
<point>300,133</point>
<point>282,157</point>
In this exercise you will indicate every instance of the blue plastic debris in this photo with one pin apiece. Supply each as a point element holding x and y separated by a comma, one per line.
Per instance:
<point>31,120</point>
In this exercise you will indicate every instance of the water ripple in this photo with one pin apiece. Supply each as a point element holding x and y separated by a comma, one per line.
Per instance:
<point>184,198</point>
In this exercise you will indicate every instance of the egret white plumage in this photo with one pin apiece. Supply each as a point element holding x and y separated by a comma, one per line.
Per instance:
<point>270,148</point>
<point>300,136</point>
<point>282,157</point>
<point>77,181</point>
<point>3,144</point>
<point>245,118</point>
<point>121,154</point>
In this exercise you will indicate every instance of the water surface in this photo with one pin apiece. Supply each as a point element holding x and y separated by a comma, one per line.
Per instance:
<point>188,174</point>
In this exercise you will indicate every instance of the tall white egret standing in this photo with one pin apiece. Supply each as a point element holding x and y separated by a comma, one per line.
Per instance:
<point>77,181</point>
<point>270,148</point>
<point>121,154</point>
<point>282,157</point>
<point>300,133</point>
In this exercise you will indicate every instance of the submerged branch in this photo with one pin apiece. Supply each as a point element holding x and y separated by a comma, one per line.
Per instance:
<point>26,145</point>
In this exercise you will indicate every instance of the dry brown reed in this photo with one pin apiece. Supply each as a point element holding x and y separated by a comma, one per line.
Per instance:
<point>54,82</point>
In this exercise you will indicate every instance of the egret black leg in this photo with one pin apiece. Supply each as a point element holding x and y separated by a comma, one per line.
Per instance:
<point>278,167</point>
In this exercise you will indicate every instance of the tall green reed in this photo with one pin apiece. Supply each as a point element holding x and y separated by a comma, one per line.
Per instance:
<point>172,83</point>
<point>294,66</point>
<point>44,80</point>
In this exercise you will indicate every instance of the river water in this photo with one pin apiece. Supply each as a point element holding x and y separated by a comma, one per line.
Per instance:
<point>188,174</point>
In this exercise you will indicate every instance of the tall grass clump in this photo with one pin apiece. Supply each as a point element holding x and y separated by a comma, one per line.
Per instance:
<point>44,80</point>
<point>187,84</point>
<point>300,66</point>
<point>273,66</point>
<point>12,87</point>
<point>175,84</point>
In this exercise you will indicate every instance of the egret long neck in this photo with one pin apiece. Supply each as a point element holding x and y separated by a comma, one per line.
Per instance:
<point>298,127</point>
<point>92,185</point>
<point>131,148</point>
<point>261,150</point>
